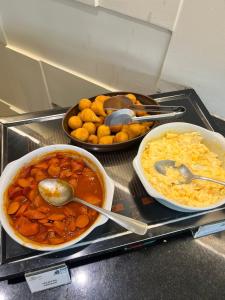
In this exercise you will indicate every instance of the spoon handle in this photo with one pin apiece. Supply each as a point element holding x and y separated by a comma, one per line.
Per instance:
<point>167,116</point>
<point>209,179</point>
<point>133,225</point>
<point>158,108</point>
<point>154,108</point>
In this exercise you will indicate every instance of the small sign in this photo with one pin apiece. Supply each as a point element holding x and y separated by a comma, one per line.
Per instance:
<point>209,229</point>
<point>48,278</point>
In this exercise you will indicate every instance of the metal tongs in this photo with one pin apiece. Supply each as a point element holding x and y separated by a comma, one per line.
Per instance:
<point>124,111</point>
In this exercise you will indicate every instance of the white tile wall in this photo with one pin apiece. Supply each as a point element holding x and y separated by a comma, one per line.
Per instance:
<point>21,81</point>
<point>89,2</point>
<point>120,52</point>
<point>196,55</point>
<point>159,12</point>
<point>6,80</point>
<point>66,89</point>
<point>2,34</point>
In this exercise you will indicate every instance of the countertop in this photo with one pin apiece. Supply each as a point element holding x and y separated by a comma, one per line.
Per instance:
<point>178,268</point>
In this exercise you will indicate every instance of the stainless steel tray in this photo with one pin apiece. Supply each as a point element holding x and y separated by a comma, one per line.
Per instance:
<point>24,133</point>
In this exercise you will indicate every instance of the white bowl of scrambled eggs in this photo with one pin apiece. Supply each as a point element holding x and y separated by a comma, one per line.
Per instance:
<point>201,150</point>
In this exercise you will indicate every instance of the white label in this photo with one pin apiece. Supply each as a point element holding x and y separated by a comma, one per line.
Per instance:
<point>209,229</point>
<point>48,278</point>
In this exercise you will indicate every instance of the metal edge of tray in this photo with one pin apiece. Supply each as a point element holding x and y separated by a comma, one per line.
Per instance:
<point>81,254</point>
<point>33,117</point>
<point>193,96</point>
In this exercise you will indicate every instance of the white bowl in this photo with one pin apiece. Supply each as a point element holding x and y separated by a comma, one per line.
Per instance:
<point>213,140</point>
<point>10,172</point>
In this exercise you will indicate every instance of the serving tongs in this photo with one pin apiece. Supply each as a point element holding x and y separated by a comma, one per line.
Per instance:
<point>124,111</point>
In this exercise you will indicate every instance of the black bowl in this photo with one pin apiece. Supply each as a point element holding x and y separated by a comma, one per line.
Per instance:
<point>105,148</point>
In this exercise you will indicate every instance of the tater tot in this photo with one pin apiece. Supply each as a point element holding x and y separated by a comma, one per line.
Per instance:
<point>80,134</point>
<point>121,137</point>
<point>93,139</point>
<point>91,128</point>
<point>107,139</point>
<point>103,130</point>
<point>75,122</point>
<point>102,98</point>
<point>98,108</point>
<point>131,97</point>
<point>87,115</point>
<point>84,103</point>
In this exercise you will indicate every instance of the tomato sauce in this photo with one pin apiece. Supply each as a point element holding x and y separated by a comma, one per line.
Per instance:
<point>32,217</point>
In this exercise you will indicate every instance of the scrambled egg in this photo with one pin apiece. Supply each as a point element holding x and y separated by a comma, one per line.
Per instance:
<point>189,149</point>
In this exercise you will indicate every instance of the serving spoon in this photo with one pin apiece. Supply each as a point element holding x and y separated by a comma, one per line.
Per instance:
<point>188,176</point>
<point>58,192</point>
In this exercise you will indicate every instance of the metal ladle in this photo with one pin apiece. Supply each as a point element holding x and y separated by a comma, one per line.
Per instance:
<point>188,176</point>
<point>58,192</point>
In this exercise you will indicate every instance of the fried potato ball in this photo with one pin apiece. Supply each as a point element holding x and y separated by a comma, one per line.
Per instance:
<point>132,98</point>
<point>97,124</point>
<point>102,98</point>
<point>93,139</point>
<point>121,137</point>
<point>98,108</point>
<point>115,128</point>
<point>133,130</point>
<point>80,134</point>
<point>138,102</point>
<point>87,115</point>
<point>140,113</point>
<point>147,124</point>
<point>136,129</point>
<point>146,128</point>
<point>91,128</point>
<point>126,129</point>
<point>103,130</point>
<point>75,122</point>
<point>84,103</point>
<point>106,140</point>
